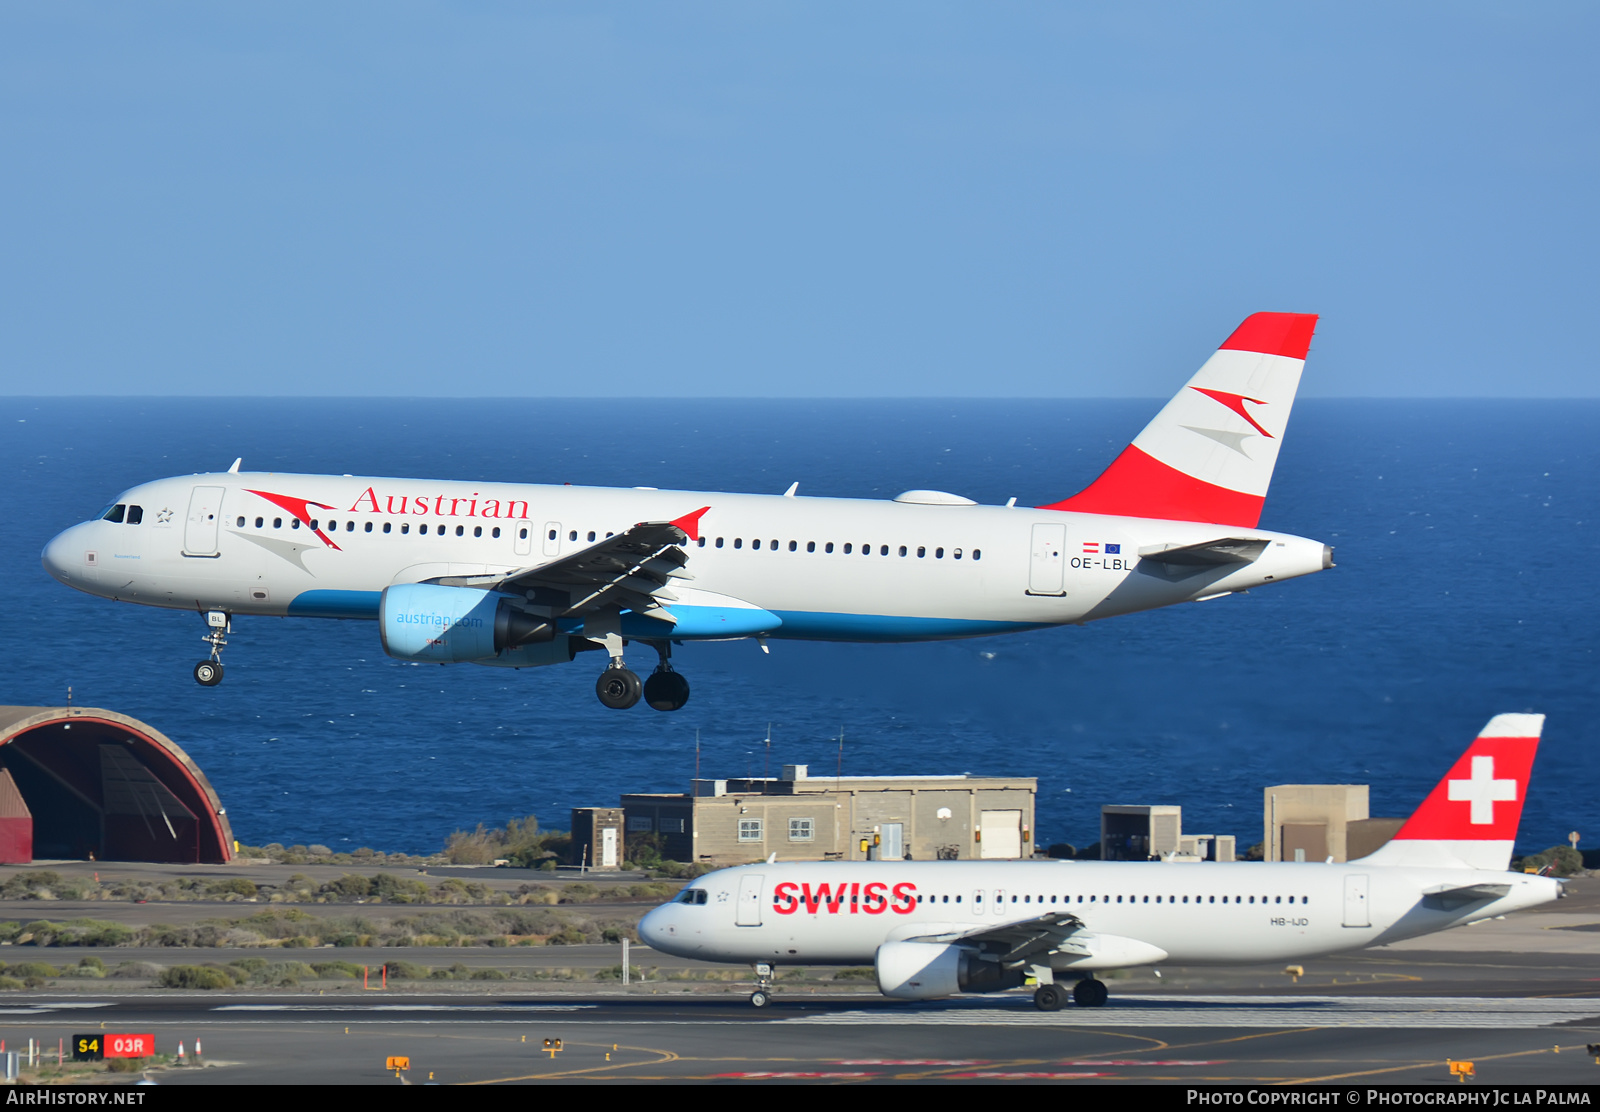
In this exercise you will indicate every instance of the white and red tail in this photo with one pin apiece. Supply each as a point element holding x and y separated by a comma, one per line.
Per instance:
<point>1209,454</point>
<point>1469,820</point>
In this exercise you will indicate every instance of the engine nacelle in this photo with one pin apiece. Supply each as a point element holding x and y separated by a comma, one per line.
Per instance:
<point>929,970</point>
<point>425,621</point>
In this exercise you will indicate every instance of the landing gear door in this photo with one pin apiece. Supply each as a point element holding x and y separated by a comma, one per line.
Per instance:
<point>1355,902</point>
<point>749,911</point>
<point>200,530</point>
<point>1048,561</point>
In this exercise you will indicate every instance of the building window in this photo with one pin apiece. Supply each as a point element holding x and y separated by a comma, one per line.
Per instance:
<point>800,830</point>
<point>749,830</point>
<point>670,826</point>
<point>640,823</point>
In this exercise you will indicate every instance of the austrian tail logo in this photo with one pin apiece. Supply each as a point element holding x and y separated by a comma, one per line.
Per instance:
<point>300,508</point>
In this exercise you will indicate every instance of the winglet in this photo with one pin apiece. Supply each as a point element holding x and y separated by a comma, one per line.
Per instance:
<point>690,523</point>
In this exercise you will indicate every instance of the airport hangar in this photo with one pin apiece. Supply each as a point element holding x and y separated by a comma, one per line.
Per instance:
<point>86,783</point>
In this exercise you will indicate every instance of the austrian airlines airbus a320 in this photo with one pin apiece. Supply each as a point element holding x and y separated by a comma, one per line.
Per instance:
<point>518,576</point>
<point>938,928</point>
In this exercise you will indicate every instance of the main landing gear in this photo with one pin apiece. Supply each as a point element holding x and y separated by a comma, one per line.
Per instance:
<point>762,996</point>
<point>619,688</point>
<point>208,673</point>
<point>1087,993</point>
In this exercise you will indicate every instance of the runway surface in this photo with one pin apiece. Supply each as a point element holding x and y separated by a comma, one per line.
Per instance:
<point>1174,1038</point>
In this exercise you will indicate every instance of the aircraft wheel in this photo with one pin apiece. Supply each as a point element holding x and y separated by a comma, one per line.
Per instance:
<point>618,688</point>
<point>666,690</point>
<point>1047,998</point>
<point>759,999</point>
<point>1090,993</point>
<point>208,673</point>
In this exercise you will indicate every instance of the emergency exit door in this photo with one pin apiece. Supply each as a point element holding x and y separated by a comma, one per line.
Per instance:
<point>749,911</point>
<point>200,529</point>
<point>1356,913</point>
<point>1049,560</point>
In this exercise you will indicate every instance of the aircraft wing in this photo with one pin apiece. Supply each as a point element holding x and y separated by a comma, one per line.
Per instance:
<point>629,571</point>
<point>1226,550</point>
<point>1015,944</point>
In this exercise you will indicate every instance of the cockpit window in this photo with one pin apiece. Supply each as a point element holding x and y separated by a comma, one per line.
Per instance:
<point>693,896</point>
<point>135,514</point>
<point>114,513</point>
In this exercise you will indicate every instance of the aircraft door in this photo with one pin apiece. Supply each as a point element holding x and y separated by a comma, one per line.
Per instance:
<point>522,538</point>
<point>200,530</point>
<point>1049,560</point>
<point>999,901</point>
<point>552,538</point>
<point>749,912</point>
<point>1355,902</point>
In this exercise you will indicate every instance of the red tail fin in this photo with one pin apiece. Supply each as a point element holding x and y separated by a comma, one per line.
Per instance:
<point>1209,455</point>
<point>1470,818</point>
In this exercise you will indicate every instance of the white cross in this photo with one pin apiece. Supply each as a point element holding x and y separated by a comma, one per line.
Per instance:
<point>1483,791</point>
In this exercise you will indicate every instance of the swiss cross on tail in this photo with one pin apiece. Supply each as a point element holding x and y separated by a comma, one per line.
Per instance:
<point>1481,797</point>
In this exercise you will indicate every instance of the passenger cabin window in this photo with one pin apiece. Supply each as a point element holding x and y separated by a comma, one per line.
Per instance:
<point>369,527</point>
<point>495,532</point>
<point>240,523</point>
<point>258,523</point>
<point>477,530</point>
<point>115,513</point>
<point>388,525</point>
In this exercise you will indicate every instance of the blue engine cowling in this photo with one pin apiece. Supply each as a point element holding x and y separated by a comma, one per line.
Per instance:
<point>425,621</point>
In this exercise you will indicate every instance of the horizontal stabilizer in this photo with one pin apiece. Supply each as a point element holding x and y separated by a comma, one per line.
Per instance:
<point>1229,550</point>
<point>1450,898</point>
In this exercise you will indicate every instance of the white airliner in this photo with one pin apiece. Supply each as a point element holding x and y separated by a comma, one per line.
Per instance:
<point>518,576</point>
<point>937,928</point>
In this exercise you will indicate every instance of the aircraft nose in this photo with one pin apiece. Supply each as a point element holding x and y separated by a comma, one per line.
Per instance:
<point>55,558</point>
<point>656,929</point>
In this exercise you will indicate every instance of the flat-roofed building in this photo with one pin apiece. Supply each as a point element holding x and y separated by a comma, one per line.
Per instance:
<point>1315,822</point>
<point>848,818</point>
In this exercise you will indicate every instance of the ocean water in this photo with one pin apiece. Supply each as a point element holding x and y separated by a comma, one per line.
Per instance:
<point>1466,542</point>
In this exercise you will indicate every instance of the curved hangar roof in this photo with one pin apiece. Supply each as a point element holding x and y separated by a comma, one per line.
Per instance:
<point>100,782</point>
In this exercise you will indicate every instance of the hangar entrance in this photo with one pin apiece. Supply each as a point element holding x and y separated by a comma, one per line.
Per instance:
<point>101,784</point>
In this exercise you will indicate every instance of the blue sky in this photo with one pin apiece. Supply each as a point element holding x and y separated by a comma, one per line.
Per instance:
<point>776,199</point>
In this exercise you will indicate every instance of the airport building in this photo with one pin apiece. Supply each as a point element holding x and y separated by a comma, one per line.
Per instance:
<point>848,818</point>
<point>1153,832</point>
<point>1319,822</point>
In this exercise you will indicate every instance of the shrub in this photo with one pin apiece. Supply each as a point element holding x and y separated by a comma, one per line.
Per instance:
<point>10,984</point>
<point>393,889</point>
<point>349,887</point>
<point>567,936</point>
<point>195,976</point>
<point>336,969</point>
<point>406,971</point>
<point>32,969</point>
<point>135,971</point>
<point>236,885</point>
<point>125,1065</point>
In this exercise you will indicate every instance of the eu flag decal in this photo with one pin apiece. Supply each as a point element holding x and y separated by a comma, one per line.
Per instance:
<point>1113,550</point>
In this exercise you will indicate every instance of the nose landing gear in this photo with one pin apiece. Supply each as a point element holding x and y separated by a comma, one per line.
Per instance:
<point>762,996</point>
<point>208,673</point>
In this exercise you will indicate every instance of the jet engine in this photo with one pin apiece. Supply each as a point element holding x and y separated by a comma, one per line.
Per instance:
<point>929,970</point>
<point>425,621</point>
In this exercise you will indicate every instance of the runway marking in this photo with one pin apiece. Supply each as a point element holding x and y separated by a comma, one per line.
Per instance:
<point>1423,1065</point>
<point>1311,1012</point>
<point>357,1007</point>
<point>54,1006</point>
<point>662,1057</point>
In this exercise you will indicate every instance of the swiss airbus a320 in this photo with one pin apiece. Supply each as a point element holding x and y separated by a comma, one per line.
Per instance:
<point>519,576</point>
